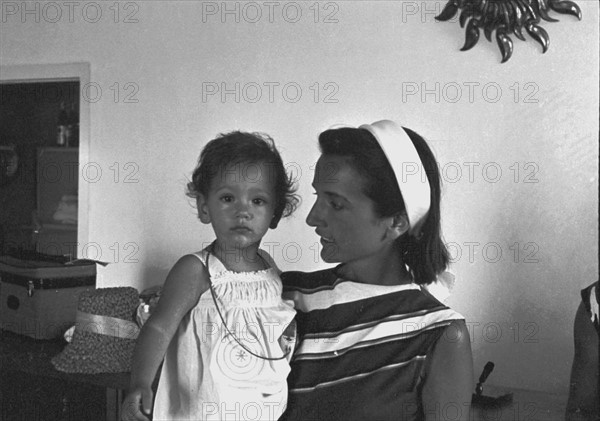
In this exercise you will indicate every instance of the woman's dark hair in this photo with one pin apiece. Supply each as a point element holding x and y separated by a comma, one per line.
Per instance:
<point>425,256</point>
<point>235,148</point>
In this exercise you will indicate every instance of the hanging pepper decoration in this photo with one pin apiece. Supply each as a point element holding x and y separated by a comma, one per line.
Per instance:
<point>506,17</point>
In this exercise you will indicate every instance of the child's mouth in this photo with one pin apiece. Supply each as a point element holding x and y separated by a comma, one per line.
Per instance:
<point>241,229</point>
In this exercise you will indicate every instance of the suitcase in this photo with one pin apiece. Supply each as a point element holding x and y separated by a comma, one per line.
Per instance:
<point>39,298</point>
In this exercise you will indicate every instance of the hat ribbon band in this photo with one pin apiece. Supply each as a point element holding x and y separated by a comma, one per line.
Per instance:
<point>106,325</point>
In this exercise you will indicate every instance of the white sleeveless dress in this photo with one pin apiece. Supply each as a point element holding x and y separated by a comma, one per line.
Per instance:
<point>206,374</point>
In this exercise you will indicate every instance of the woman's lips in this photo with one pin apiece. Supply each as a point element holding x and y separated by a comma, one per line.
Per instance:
<point>324,239</point>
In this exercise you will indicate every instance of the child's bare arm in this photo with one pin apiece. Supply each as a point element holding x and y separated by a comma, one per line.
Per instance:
<point>186,281</point>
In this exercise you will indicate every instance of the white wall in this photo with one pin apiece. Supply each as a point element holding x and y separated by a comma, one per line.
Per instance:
<point>521,312</point>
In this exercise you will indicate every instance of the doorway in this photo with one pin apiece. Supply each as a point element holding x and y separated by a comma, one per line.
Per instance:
<point>46,125</point>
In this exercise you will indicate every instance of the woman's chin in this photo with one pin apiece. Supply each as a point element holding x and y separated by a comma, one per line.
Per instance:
<point>329,257</point>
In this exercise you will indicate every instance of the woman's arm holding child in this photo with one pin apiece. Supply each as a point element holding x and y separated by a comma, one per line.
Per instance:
<point>186,282</point>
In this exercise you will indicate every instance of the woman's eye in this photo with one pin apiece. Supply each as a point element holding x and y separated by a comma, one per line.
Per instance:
<point>336,206</point>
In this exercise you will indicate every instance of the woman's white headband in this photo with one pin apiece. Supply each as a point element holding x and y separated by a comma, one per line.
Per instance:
<point>408,168</point>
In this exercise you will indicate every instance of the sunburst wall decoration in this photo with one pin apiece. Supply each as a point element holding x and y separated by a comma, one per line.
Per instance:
<point>506,17</point>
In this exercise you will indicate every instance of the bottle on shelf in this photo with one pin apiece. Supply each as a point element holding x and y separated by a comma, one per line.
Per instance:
<point>73,127</point>
<point>62,125</point>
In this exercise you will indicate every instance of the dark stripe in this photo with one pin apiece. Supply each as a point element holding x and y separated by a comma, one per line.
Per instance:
<point>331,284</point>
<point>381,396</point>
<point>401,304</point>
<point>302,281</point>
<point>359,359</point>
<point>366,326</point>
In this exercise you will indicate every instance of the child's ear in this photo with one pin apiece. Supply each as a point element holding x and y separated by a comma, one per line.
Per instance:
<point>398,226</point>
<point>202,206</point>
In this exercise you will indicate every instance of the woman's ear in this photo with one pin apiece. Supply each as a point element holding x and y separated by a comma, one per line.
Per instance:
<point>399,225</point>
<point>202,206</point>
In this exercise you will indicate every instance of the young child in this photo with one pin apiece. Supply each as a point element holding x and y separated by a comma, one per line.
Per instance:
<point>220,324</point>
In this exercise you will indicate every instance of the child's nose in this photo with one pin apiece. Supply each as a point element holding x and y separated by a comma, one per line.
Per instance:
<point>243,210</point>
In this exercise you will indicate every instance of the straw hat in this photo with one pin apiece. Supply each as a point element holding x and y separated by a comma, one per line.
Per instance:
<point>105,333</point>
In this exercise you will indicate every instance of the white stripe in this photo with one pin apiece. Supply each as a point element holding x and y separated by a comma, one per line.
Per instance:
<point>357,376</point>
<point>345,292</point>
<point>594,310</point>
<point>365,344</point>
<point>337,343</point>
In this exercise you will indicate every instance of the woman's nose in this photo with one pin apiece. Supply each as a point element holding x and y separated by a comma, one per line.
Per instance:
<point>314,219</point>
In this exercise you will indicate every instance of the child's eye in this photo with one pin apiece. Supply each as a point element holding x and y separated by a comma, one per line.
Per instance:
<point>259,201</point>
<point>226,198</point>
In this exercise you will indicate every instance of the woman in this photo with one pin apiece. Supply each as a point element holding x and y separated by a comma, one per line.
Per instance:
<point>373,343</point>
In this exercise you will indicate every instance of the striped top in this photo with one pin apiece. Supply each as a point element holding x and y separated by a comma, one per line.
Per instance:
<point>362,348</point>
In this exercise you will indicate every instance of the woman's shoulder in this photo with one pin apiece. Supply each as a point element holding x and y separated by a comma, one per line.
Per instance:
<point>297,280</point>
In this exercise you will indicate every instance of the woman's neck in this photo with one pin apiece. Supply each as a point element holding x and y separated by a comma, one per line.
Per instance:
<point>380,269</point>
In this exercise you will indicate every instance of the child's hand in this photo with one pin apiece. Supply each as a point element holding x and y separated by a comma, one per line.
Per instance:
<point>136,401</point>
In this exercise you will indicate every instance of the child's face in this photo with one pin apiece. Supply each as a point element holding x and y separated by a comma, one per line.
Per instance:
<point>240,204</point>
<point>344,217</point>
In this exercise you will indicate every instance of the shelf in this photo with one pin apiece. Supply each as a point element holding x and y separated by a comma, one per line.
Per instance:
<point>59,149</point>
<point>60,227</point>
<point>51,226</point>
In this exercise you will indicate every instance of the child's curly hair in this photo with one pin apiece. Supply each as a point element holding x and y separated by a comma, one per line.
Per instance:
<point>244,148</point>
